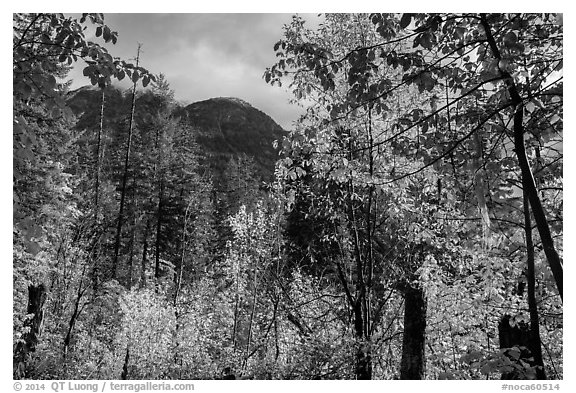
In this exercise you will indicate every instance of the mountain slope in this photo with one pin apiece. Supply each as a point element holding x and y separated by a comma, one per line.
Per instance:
<point>231,126</point>
<point>225,127</point>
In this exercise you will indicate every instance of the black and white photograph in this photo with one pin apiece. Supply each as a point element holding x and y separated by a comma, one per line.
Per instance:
<point>287,196</point>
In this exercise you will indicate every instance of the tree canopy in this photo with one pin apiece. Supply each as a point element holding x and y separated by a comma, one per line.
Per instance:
<point>412,227</point>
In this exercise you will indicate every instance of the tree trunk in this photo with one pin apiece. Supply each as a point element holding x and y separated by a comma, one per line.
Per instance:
<point>236,312</point>
<point>131,257</point>
<point>98,154</point>
<point>535,343</point>
<point>360,305</point>
<point>182,255</point>
<point>413,363</point>
<point>128,283</point>
<point>251,321</point>
<point>124,374</point>
<point>363,355</point>
<point>527,179</point>
<point>36,298</point>
<point>158,229</point>
<point>144,255</point>
<point>75,314</point>
<point>532,195</point>
<point>125,177</point>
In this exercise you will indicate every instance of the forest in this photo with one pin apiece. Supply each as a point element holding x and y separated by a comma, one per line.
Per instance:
<point>408,226</point>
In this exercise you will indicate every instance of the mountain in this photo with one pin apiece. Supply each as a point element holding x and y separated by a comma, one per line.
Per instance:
<point>225,127</point>
<point>231,126</point>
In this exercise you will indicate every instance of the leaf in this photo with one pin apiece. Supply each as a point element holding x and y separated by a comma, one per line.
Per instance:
<point>48,66</point>
<point>26,90</point>
<point>538,103</point>
<point>459,32</point>
<point>514,353</point>
<point>98,31</point>
<point>425,41</point>
<point>486,369</point>
<point>421,28</point>
<point>424,127</point>
<point>510,38</point>
<point>405,20</point>
<point>106,34</point>
<point>51,82</point>
<point>32,247</point>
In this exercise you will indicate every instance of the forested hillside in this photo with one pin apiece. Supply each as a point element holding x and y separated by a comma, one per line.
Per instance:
<point>409,226</point>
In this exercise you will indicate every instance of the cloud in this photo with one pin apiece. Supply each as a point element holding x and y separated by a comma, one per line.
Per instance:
<point>213,72</point>
<point>208,55</point>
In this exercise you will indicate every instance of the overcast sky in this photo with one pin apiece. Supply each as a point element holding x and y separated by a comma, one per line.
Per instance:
<point>207,55</point>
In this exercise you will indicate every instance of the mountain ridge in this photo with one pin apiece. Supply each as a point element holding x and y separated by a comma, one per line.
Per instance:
<point>224,126</point>
<point>234,126</point>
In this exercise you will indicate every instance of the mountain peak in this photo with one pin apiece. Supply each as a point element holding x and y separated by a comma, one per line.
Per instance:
<point>234,100</point>
<point>225,126</point>
<point>232,126</point>
<point>232,111</point>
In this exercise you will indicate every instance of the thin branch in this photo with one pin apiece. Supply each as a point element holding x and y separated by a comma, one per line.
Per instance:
<point>447,152</point>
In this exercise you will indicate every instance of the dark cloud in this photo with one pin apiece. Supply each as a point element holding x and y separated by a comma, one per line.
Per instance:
<point>208,55</point>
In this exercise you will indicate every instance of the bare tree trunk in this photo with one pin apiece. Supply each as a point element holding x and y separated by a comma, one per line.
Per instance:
<point>125,176</point>
<point>132,237</point>
<point>131,257</point>
<point>159,228</point>
<point>99,151</point>
<point>75,313</point>
<point>144,255</point>
<point>182,255</point>
<point>124,374</point>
